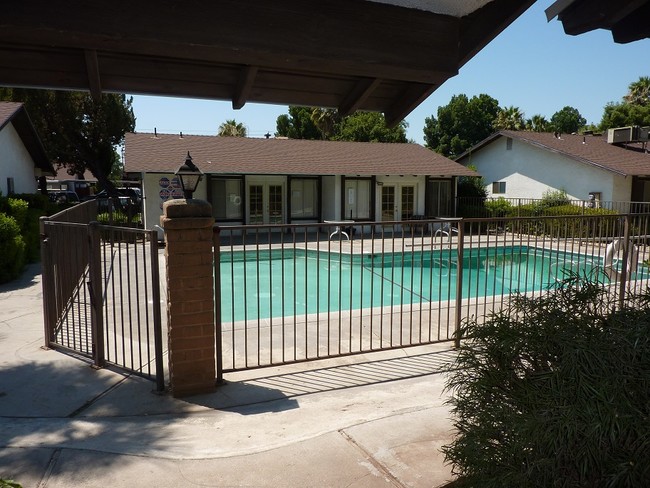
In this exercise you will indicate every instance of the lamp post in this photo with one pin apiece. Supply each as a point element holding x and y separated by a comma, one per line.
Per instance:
<point>189,175</point>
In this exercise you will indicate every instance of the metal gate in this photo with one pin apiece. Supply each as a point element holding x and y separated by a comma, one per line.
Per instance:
<point>101,295</point>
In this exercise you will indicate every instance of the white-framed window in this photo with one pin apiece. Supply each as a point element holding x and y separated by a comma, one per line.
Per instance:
<point>304,198</point>
<point>357,198</point>
<point>227,199</point>
<point>498,187</point>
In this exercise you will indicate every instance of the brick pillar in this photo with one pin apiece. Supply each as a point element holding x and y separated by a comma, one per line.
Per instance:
<point>190,296</point>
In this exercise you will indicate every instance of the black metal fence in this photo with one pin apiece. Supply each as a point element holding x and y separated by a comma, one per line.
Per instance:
<point>101,293</point>
<point>302,292</point>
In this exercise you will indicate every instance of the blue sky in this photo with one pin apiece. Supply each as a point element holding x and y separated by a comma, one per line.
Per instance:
<point>532,65</point>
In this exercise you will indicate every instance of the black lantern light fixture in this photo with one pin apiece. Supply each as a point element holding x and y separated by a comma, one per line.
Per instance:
<point>189,175</point>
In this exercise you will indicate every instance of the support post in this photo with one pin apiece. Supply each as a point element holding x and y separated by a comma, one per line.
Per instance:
<point>459,279</point>
<point>190,294</point>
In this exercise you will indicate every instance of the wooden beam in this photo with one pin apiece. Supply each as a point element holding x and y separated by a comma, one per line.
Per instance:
<point>94,79</point>
<point>338,37</point>
<point>358,95</point>
<point>584,16</point>
<point>481,26</point>
<point>413,96</point>
<point>634,27</point>
<point>244,86</point>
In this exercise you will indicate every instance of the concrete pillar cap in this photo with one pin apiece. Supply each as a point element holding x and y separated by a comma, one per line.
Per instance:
<point>182,208</point>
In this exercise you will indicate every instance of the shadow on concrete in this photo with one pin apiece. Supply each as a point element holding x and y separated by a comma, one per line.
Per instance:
<point>245,398</point>
<point>42,407</point>
<point>340,377</point>
<point>25,280</point>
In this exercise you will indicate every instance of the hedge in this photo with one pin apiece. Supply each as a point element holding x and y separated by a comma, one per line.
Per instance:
<point>554,391</point>
<point>12,249</point>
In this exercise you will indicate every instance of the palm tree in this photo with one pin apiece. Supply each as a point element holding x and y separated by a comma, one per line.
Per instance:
<point>325,119</point>
<point>231,128</point>
<point>639,91</point>
<point>510,118</point>
<point>537,123</point>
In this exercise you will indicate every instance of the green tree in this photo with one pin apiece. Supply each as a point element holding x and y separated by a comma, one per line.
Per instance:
<point>633,110</point>
<point>510,118</point>
<point>538,123</point>
<point>298,124</point>
<point>471,186</point>
<point>567,120</point>
<point>624,114</point>
<point>77,131</point>
<point>369,127</point>
<point>639,91</point>
<point>232,128</point>
<point>326,120</point>
<point>460,124</point>
<point>326,124</point>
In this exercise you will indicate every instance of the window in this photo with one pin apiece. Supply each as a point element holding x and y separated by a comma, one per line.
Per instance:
<point>508,143</point>
<point>10,186</point>
<point>408,202</point>
<point>304,198</point>
<point>439,198</point>
<point>227,198</point>
<point>357,196</point>
<point>499,187</point>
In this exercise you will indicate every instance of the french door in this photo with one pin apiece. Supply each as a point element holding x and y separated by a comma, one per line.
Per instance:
<point>397,202</point>
<point>266,202</point>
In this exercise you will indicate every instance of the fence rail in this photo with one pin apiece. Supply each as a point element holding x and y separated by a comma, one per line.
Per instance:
<point>532,207</point>
<point>297,293</point>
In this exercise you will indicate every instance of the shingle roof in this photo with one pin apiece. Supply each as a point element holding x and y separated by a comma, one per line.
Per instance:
<point>7,112</point>
<point>594,150</point>
<point>145,152</point>
<point>15,113</point>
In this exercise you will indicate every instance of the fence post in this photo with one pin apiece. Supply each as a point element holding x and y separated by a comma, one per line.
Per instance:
<point>217,302</point>
<point>49,298</point>
<point>190,294</point>
<point>626,255</point>
<point>459,280</point>
<point>96,294</point>
<point>157,319</point>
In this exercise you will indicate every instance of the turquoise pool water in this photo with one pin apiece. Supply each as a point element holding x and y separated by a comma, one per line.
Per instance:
<point>280,283</point>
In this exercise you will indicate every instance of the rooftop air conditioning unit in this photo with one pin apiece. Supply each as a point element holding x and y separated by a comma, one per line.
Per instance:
<point>621,134</point>
<point>644,134</point>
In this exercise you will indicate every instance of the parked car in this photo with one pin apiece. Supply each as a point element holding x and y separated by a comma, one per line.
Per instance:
<point>63,197</point>
<point>129,199</point>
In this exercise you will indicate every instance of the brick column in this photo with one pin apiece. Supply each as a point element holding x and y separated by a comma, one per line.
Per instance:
<point>190,296</point>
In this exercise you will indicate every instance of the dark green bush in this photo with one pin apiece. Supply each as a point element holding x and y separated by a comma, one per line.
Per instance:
<point>499,207</point>
<point>12,249</point>
<point>554,392</point>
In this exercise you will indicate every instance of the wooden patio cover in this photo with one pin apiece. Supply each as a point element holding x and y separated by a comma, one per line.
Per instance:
<point>383,55</point>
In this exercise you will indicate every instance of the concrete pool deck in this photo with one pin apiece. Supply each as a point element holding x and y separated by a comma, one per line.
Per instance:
<point>362,421</point>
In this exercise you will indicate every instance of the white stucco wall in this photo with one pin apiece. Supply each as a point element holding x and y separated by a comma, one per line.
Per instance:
<point>15,162</point>
<point>529,171</point>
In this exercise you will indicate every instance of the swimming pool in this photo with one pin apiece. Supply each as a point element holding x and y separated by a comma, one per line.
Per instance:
<point>275,283</point>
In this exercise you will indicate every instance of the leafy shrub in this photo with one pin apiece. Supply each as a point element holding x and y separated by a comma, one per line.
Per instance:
<point>18,210</point>
<point>499,207</point>
<point>554,391</point>
<point>9,484</point>
<point>12,249</point>
<point>554,198</point>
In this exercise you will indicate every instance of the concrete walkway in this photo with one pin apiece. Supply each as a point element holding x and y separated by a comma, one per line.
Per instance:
<point>364,421</point>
